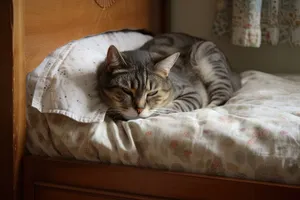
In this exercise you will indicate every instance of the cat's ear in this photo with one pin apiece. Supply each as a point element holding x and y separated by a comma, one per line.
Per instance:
<point>164,66</point>
<point>114,59</point>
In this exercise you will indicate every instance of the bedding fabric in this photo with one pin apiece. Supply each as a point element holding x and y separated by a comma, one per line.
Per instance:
<point>66,79</point>
<point>255,135</point>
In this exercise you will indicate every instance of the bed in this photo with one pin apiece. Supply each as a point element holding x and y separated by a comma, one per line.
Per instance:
<point>252,152</point>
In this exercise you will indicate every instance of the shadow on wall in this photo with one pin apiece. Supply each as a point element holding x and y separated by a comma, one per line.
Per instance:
<point>196,17</point>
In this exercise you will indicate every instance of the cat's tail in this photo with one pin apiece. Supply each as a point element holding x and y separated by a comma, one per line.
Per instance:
<point>236,81</point>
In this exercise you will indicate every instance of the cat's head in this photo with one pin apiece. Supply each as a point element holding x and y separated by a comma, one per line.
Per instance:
<point>134,84</point>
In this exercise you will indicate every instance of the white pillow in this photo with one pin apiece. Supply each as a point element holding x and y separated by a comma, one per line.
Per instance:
<point>64,83</point>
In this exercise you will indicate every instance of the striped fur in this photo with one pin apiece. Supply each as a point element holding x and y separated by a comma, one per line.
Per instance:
<point>154,80</point>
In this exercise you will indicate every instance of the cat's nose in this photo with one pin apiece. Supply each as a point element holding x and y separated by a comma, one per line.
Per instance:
<point>139,110</point>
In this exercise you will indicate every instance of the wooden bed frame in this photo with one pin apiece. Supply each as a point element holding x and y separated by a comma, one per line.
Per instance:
<point>31,29</point>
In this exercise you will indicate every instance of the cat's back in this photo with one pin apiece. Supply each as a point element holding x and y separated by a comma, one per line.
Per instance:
<point>170,43</point>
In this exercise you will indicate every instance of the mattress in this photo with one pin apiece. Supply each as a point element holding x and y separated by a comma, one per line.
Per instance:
<point>255,135</point>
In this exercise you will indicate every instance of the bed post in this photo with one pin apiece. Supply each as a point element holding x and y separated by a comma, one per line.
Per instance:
<point>19,95</point>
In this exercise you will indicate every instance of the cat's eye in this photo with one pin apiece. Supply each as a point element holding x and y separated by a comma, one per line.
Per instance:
<point>152,93</point>
<point>127,91</point>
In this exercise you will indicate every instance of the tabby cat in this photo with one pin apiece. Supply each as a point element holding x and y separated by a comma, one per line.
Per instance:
<point>172,72</point>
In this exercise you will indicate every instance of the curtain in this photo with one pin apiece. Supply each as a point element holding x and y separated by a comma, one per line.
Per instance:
<point>250,23</point>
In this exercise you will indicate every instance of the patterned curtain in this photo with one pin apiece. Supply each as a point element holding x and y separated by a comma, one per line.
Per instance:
<point>252,22</point>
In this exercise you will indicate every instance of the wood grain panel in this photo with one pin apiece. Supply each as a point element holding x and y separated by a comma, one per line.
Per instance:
<point>156,183</point>
<point>50,24</point>
<point>46,191</point>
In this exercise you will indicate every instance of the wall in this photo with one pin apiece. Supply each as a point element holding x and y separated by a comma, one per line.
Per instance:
<point>196,17</point>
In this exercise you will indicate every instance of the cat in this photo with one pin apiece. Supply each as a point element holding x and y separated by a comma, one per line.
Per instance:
<point>173,72</point>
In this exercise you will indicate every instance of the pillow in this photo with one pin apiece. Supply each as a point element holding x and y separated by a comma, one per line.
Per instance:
<point>64,83</point>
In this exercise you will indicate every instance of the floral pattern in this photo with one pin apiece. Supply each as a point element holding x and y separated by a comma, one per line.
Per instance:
<point>256,135</point>
<point>252,22</point>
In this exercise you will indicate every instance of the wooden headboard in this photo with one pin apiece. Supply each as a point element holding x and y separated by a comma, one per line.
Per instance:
<point>49,24</point>
<point>41,26</point>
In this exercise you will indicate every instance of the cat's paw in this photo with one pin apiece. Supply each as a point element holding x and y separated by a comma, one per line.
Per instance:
<point>164,111</point>
<point>211,105</point>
